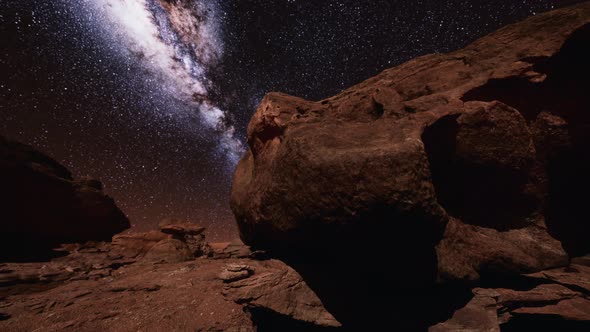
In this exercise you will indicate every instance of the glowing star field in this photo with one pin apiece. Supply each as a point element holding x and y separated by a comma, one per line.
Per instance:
<point>153,97</point>
<point>178,42</point>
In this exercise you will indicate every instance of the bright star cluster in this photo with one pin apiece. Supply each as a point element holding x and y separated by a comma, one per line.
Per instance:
<point>178,42</point>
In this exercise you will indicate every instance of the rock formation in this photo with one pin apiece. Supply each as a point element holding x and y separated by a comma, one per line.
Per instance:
<point>191,234</point>
<point>274,286</point>
<point>177,241</point>
<point>492,137</point>
<point>44,206</point>
<point>552,300</point>
<point>454,169</point>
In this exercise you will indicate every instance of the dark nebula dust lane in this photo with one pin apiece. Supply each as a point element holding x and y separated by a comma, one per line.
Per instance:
<point>153,96</point>
<point>176,43</point>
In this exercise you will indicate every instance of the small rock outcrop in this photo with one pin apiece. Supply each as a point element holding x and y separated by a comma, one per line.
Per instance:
<point>169,251</point>
<point>235,272</point>
<point>236,249</point>
<point>191,234</point>
<point>44,206</point>
<point>176,241</point>
<point>136,245</point>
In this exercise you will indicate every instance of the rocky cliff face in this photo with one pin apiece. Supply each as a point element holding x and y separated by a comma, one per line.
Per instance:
<point>43,205</point>
<point>451,168</point>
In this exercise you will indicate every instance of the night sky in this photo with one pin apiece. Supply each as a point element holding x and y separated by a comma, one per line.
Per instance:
<point>153,96</point>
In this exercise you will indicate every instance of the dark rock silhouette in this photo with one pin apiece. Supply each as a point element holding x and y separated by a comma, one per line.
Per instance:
<point>44,206</point>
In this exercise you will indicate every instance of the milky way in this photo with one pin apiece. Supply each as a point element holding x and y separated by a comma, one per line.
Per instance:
<point>178,42</point>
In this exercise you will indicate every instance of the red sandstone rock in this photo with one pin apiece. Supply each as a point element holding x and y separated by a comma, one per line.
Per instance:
<point>169,251</point>
<point>135,245</point>
<point>558,302</point>
<point>491,136</point>
<point>189,233</point>
<point>274,286</point>
<point>148,297</point>
<point>93,288</point>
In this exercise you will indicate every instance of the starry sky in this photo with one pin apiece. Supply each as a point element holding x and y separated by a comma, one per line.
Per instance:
<point>153,96</point>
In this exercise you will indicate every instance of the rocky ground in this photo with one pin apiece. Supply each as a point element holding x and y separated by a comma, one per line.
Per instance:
<point>98,287</point>
<point>128,286</point>
<point>446,194</point>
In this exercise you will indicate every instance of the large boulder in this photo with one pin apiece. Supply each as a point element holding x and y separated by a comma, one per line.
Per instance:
<point>43,205</point>
<point>493,137</point>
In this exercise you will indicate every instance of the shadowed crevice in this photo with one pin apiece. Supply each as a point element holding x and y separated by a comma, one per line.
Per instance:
<point>478,194</point>
<point>564,93</point>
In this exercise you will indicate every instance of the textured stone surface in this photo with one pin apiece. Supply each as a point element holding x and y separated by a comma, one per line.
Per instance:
<point>480,314</point>
<point>175,242</point>
<point>169,251</point>
<point>468,250</point>
<point>95,288</point>
<point>189,233</point>
<point>134,245</point>
<point>276,287</point>
<point>234,249</point>
<point>179,227</point>
<point>545,301</point>
<point>235,272</point>
<point>136,297</point>
<point>457,168</point>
